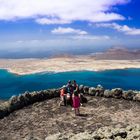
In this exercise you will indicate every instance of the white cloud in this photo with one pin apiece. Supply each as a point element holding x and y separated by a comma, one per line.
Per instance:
<point>90,37</point>
<point>121,28</point>
<point>61,30</point>
<point>60,11</point>
<point>52,21</point>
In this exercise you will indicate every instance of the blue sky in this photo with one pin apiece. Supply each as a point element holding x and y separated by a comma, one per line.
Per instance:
<point>68,24</point>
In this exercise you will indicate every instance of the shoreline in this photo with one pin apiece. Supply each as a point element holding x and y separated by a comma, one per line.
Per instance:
<point>40,72</point>
<point>61,64</point>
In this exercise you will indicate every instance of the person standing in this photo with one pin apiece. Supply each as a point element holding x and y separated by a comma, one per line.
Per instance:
<point>69,92</point>
<point>63,96</point>
<point>76,102</point>
<point>75,86</point>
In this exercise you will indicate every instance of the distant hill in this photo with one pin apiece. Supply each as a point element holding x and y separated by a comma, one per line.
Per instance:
<point>118,53</point>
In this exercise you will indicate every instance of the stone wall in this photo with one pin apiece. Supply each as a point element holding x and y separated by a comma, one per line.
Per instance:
<point>18,102</point>
<point>117,93</point>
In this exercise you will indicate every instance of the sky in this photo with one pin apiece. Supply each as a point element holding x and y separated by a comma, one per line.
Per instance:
<point>46,27</point>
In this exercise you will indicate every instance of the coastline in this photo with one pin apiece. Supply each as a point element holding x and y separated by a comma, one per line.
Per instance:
<point>63,64</point>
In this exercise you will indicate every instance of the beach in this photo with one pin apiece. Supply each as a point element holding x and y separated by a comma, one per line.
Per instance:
<point>64,64</point>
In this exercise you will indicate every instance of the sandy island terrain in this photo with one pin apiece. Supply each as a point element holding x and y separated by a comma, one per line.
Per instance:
<point>63,64</point>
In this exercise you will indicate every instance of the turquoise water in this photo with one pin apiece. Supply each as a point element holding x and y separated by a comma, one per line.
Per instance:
<point>11,84</point>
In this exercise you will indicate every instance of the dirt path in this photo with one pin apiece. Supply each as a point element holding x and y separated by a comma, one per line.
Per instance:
<point>47,117</point>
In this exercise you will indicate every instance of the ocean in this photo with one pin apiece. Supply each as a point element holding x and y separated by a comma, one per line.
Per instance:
<point>11,84</point>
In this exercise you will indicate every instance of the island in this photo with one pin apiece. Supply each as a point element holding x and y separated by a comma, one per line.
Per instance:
<point>64,64</point>
<point>114,58</point>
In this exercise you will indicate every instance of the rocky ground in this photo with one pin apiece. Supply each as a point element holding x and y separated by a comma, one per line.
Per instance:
<point>1,101</point>
<point>48,120</point>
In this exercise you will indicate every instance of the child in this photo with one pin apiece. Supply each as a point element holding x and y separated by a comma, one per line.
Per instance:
<point>63,95</point>
<point>76,102</point>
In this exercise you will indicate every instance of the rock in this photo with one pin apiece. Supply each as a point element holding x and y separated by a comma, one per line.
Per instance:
<point>107,94</point>
<point>96,137</point>
<point>4,109</point>
<point>129,128</point>
<point>92,91</point>
<point>82,136</point>
<point>13,99</point>
<point>53,137</point>
<point>117,93</point>
<point>128,95</point>
<point>23,100</point>
<point>86,90</point>
<point>56,93</point>
<point>100,86</point>
<point>14,103</point>
<point>99,91</point>
<point>121,133</point>
<point>81,88</point>
<point>137,97</point>
<point>27,96</point>
<point>46,94</point>
<point>51,94</point>
<point>32,137</point>
<point>34,97</point>
<point>70,136</point>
